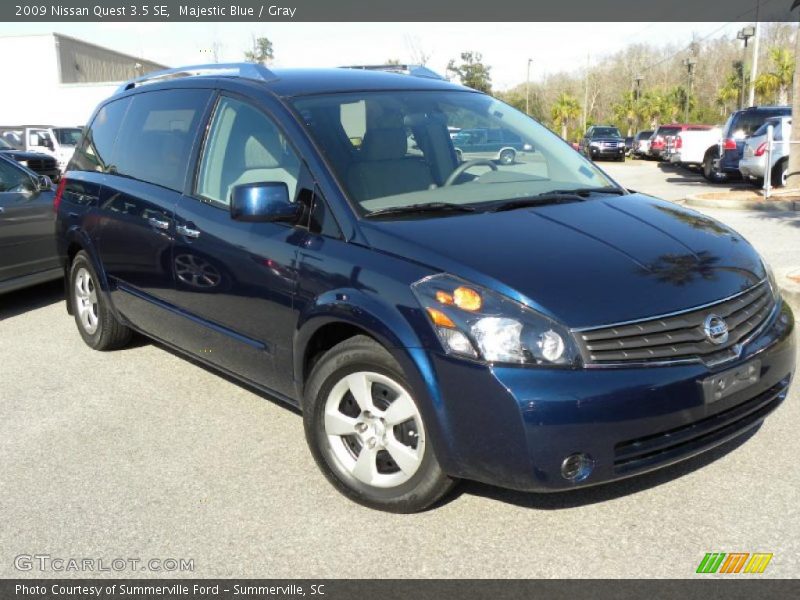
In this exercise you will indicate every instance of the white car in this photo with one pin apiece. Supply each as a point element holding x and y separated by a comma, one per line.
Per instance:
<point>689,148</point>
<point>754,159</point>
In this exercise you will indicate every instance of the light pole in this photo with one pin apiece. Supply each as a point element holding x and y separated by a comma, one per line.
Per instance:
<point>528,89</point>
<point>689,63</point>
<point>745,34</point>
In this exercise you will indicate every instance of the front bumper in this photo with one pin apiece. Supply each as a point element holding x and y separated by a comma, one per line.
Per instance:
<point>513,427</point>
<point>606,152</point>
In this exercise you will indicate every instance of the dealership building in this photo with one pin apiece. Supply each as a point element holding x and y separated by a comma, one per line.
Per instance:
<point>58,80</point>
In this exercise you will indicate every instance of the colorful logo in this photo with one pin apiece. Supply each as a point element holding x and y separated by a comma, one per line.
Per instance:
<point>734,562</point>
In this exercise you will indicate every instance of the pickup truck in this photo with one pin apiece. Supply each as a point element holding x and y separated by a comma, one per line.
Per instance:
<point>58,142</point>
<point>689,148</point>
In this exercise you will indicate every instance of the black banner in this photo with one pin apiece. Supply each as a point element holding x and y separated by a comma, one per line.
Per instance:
<point>388,589</point>
<point>394,10</point>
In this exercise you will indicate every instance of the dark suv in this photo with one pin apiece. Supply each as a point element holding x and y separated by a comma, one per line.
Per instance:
<point>723,163</point>
<point>603,142</point>
<point>313,233</point>
<point>499,145</point>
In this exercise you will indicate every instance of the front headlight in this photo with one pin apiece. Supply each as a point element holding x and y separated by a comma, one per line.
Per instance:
<point>477,323</point>
<point>773,283</point>
<point>594,144</point>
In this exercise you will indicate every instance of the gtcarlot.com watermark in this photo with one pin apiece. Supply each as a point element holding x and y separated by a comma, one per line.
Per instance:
<point>61,564</point>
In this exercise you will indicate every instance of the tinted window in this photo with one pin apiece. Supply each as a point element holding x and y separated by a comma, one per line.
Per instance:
<point>157,135</point>
<point>644,135</point>
<point>13,179</point>
<point>244,146</point>
<point>94,152</point>
<point>605,132</point>
<point>666,131</point>
<point>745,123</point>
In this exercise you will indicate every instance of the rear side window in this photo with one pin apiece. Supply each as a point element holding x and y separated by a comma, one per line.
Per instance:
<point>157,135</point>
<point>746,123</point>
<point>97,144</point>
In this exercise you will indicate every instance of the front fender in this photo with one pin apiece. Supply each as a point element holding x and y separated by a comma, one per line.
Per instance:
<point>404,331</point>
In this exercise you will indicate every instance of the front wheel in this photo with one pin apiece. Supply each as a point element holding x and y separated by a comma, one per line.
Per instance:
<point>779,173</point>
<point>96,323</point>
<point>366,431</point>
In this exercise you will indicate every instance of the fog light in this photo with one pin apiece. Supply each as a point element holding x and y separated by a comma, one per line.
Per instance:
<point>577,467</point>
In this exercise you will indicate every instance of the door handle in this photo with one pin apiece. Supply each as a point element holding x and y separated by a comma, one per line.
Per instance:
<point>188,231</point>
<point>158,223</point>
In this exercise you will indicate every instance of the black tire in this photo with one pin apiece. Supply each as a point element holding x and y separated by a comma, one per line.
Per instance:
<point>354,356</point>
<point>108,333</point>
<point>507,157</point>
<point>779,172</point>
<point>710,171</point>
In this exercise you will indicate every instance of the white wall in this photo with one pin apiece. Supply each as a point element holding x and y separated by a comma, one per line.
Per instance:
<point>33,94</point>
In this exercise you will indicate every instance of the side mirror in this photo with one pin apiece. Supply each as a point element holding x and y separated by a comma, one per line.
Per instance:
<point>263,202</point>
<point>44,182</point>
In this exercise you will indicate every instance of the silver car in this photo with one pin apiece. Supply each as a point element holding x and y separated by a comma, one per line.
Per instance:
<point>754,159</point>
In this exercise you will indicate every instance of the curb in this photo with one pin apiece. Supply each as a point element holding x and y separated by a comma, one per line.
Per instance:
<point>785,205</point>
<point>790,289</point>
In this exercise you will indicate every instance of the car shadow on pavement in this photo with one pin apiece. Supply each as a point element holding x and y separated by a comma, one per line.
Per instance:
<point>790,218</point>
<point>604,492</point>
<point>685,176</point>
<point>16,303</point>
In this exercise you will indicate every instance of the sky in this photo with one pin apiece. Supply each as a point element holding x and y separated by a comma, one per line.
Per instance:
<point>505,46</point>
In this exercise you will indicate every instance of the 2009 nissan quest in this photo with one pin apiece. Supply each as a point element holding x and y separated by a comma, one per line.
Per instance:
<point>313,233</point>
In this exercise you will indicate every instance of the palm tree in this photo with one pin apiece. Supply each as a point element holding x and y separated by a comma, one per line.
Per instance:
<point>626,111</point>
<point>729,92</point>
<point>564,111</point>
<point>775,84</point>
<point>651,109</point>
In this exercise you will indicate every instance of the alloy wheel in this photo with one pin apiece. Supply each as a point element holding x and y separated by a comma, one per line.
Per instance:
<point>86,300</point>
<point>374,429</point>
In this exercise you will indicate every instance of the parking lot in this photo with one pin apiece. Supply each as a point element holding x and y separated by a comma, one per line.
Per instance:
<point>142,454</point>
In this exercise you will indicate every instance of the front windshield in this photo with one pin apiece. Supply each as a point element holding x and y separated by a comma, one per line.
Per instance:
<point>606,132</point>
<point>400,149</point>
<point>68,136</point>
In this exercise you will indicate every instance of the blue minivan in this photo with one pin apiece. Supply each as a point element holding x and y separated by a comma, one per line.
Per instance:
<point>314,234</point>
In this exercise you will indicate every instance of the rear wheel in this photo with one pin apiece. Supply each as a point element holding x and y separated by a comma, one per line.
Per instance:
<point>710,169</point>
<point>507,157</point>
<point>779,173</point>
<point>98,327</point>
<point>366,431</point>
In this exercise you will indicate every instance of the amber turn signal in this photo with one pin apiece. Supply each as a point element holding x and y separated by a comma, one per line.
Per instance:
<point>440,319</point>
<point>467,299</point>
<point>444,297</point>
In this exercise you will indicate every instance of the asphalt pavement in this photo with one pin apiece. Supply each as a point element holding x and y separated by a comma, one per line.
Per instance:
<point>141,454</point>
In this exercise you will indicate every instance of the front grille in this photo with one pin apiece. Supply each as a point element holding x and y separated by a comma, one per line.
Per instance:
<point>646,452</point>
<point>679,337</point>
<point>41,164</point>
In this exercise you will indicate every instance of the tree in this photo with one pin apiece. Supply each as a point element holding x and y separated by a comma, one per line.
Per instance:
<point>626,111</point>
<point>793,173</point>
<point>565,110</point>
<point>261,51</point>
<point>728,94</point>
<point>418,54</point>
<point>651,107</point>
<point>775,84</point>
<point>472,72</point>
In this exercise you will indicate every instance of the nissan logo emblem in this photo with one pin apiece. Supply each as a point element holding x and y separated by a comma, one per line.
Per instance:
<point>716,329</point>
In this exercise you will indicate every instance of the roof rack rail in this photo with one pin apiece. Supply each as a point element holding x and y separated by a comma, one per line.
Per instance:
<point>253,71</point>
<point>413,70</point>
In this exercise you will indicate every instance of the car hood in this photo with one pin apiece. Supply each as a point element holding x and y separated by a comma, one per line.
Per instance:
<point>22,155</point>
<point>598,262</point>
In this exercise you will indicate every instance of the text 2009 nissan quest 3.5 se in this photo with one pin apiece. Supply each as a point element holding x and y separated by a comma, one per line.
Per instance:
<point>436,316</point>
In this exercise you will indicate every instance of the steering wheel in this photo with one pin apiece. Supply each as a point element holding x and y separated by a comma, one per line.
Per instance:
<point>459,170</point>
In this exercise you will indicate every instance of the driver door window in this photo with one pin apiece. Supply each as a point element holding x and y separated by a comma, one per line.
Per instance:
<point>244,146</point>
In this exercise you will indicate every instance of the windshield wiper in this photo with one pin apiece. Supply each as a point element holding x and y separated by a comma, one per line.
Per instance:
<point>585,192</point>
<point>422,208</point>
<point>555,197</point>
